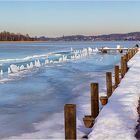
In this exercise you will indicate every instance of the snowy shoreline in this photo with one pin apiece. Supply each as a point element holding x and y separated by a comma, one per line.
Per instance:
<point>118,119</point>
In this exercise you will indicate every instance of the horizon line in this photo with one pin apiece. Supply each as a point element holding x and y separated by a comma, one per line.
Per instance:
<point>71,34</point>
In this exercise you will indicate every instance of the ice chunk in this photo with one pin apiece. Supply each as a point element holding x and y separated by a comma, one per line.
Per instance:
<point>31,65</point>
<point>1,72</point>
<point>28,66</point>
<point>9,70</point>
<point>46,61</point>
<point>118,46</point>
<point>95,50</point>
<point>89,49</point>
<point>14,68</point>
<point>60,59</point>
<point>37,63</point>
<point>22,67</point>
<point>51,61</point>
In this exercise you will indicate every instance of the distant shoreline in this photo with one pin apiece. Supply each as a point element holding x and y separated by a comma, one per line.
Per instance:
<point>65,41</point>
<point>20,41</point>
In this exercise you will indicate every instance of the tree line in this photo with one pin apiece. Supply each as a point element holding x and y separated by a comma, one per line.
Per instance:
<point>7,36</point>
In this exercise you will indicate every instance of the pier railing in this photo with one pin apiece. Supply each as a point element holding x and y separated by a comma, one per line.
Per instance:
<point>70,109</point>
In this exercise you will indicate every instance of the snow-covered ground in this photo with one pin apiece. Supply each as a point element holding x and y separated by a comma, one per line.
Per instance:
<point>118,119</point>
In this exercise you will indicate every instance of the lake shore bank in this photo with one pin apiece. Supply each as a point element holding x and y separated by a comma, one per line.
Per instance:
<point>21,41</point>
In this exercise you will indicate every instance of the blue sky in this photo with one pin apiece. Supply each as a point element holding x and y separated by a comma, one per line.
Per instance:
<point>57,18</point>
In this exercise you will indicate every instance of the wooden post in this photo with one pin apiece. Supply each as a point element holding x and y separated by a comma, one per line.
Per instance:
<point>126,57</point>
<point>125,64</point>
<point>129,55</point>
<point>94,100</point>
<point>132,52</point>
<point>70,121</point>
<point>109,83</point>
<point>135,50</point>
<point>122,67</point>
<point>117,79</point>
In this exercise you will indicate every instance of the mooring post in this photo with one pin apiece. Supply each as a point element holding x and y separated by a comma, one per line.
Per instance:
<point>135,50</point>
<point>131,55</point>
<point>126,55</point>
<point>94,100</point>
<point>117,79</point>
<point>122,67</point>
<point>109,83</point>
<point>132,52</point>
<point>125,64</point>
<point>70,121</point>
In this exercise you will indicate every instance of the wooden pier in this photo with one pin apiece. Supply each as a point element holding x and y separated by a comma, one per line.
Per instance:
<point>107,50</point>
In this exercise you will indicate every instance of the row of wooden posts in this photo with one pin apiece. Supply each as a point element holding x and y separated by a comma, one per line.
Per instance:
<point>70,109</point>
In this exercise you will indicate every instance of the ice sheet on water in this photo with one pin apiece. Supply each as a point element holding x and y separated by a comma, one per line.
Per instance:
<point>33,97</point>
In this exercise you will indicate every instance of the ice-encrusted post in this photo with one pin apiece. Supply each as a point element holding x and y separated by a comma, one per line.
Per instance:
<point>117,79</point>
<point>70,121</point>
<point>109,83</point>
<point>94,100</point>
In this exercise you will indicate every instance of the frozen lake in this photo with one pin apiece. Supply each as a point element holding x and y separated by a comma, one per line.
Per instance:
<point>32,101</point>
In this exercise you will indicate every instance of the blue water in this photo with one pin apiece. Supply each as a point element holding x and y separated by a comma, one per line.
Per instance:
<point>36,96</point>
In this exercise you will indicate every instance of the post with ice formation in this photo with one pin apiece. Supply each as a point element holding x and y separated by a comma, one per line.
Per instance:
<point>117,79</point>
<point>109,83</point>
<point>70,121</point>
<point>94,100</point>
